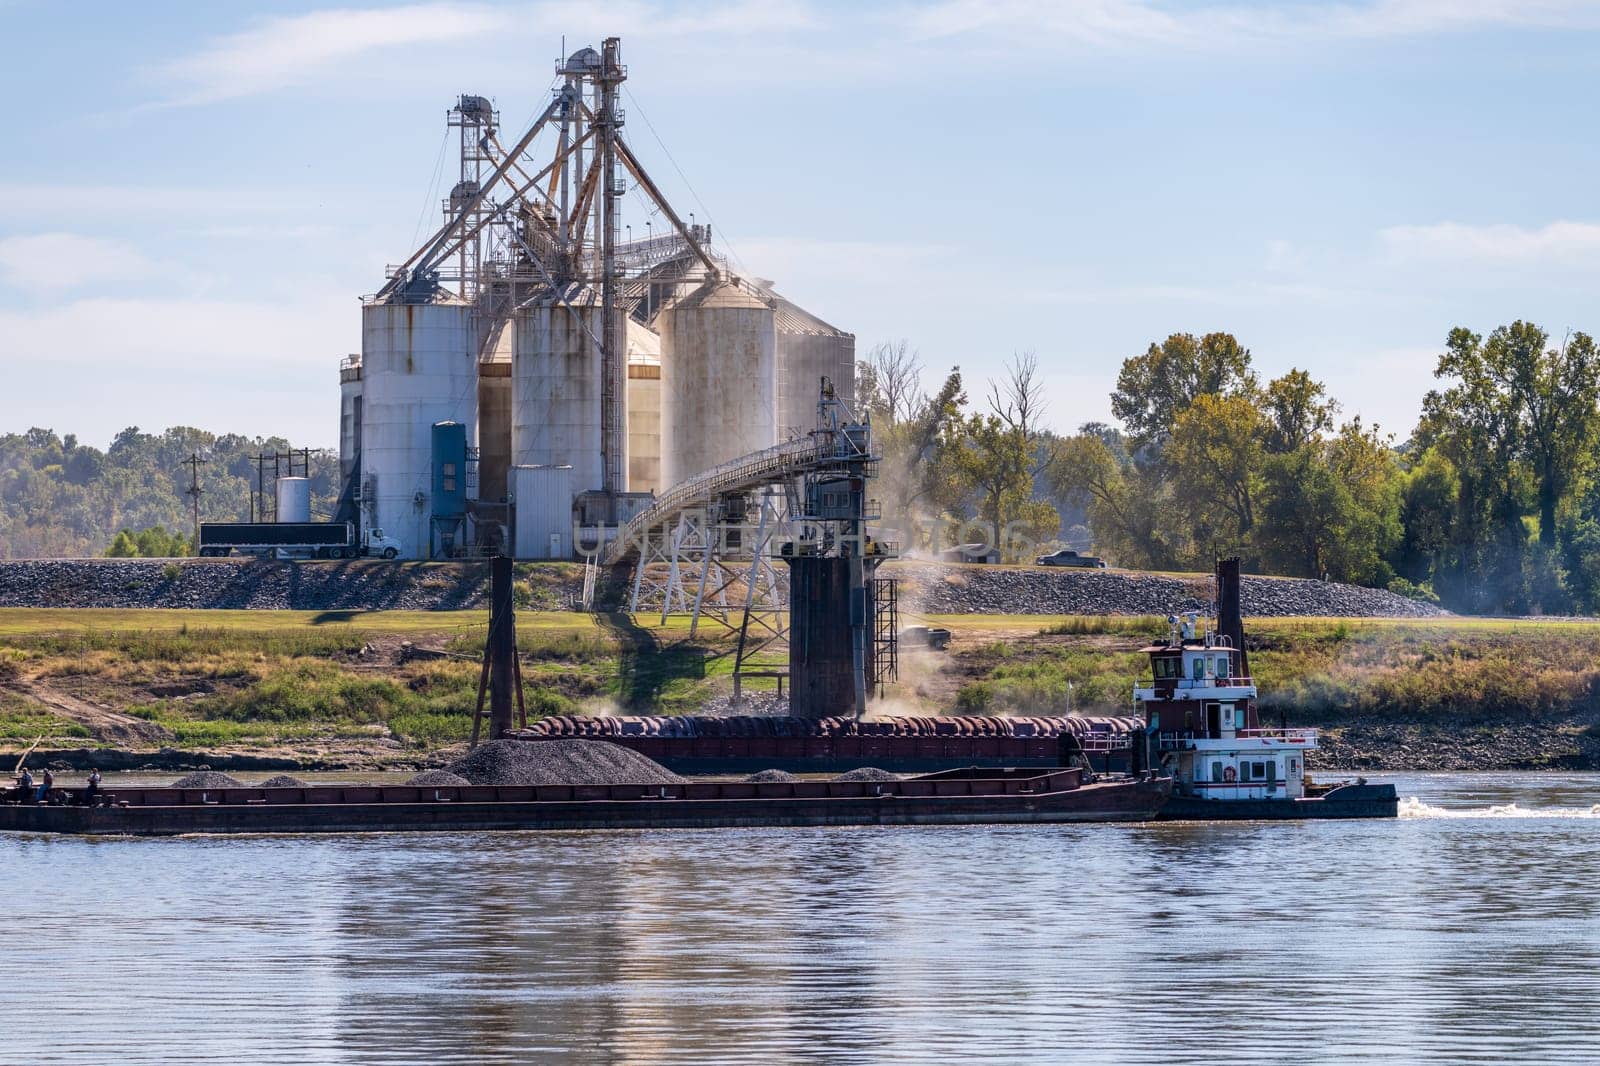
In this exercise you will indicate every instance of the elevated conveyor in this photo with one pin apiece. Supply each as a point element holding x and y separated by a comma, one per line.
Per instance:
<point>779,463</point>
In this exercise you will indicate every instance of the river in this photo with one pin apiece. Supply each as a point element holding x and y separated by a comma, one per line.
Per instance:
<point>1468,931</point>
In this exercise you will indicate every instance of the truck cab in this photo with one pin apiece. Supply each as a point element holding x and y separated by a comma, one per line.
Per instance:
<point>376,543</point>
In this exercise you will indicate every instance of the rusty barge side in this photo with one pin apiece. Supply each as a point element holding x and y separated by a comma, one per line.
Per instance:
<point>1024,797</point>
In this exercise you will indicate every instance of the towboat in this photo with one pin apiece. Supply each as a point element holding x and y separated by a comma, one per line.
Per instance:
<point>1202,728</point>
<point>954,797</point>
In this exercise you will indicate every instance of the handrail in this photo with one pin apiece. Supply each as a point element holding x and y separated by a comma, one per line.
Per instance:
<point>748,471</point>
<point>1206,682</point>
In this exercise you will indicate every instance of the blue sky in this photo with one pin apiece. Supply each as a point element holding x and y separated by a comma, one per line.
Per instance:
<point>193,196</point>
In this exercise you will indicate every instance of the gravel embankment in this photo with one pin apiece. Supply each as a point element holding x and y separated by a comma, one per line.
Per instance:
<point>1038,590</point>
<point>372,585</point>
<point>559,762</point>
<point>1454,744</point>
<point>241,584</point>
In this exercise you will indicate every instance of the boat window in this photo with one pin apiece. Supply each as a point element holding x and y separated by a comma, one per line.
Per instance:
<point>1199,669</point>
<point>1260,771</point>
<point>1272,770</point>
<point>1222,666</point>
<point>1216,771</point>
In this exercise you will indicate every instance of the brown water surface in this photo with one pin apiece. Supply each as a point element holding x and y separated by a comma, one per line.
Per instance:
<point>1468,931</point>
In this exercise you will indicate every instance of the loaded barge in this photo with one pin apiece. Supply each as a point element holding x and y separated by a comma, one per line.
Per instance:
<point>957,797</point>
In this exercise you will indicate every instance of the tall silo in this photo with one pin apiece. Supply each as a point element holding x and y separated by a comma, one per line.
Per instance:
<point>809,350</point>
<point>644,409</point>
<point>494,414</point>
<point>557,385</point>
<point>418,367</point>
<point>349,416</point>
<point>718,378</point>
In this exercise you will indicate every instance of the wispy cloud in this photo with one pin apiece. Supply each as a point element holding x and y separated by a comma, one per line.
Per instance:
<point>180,333</point>
<point>53,261</point>
<point>32,203</point>
<point>1132,22</point>
<point>1561,242</point>
<point>289,51</point>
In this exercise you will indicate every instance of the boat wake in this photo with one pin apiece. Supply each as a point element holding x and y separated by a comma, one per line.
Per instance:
<point>1412,807</point>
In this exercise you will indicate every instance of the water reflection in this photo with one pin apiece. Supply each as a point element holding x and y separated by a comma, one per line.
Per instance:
<point>1427,939</point>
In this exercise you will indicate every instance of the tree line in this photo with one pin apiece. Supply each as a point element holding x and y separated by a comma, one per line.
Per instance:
<point>1490,505</point>
<point>60,497</point>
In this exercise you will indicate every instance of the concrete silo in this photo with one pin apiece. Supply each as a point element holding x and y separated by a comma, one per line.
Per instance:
<point>494,415</point>
<point>349,416</point>
<point>418,367</point>
<point>644,409</point>
<point>718,378</point>
<point>557,388</point>
<point>808,350</point>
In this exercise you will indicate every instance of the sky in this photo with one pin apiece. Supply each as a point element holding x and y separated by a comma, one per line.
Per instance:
<point>193,196</point>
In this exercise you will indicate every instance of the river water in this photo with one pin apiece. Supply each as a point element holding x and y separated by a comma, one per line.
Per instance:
<point>1468,931</point>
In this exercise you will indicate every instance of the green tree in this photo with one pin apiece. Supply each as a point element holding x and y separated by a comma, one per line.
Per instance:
<point>1124,504</point>
<point>1154,388</point>
<point>1298,411</point>
<point>1531,403</point>
<point>123,546</point>
<point>1214,458</point>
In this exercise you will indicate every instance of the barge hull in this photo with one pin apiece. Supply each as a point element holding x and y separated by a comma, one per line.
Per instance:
<point>1109,802</point>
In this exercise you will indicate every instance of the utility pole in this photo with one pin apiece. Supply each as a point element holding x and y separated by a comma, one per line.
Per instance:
<point>194,492</point>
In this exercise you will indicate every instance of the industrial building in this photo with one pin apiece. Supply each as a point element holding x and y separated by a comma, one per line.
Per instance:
<point>534,372</point>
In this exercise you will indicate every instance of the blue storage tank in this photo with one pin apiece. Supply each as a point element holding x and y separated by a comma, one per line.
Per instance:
<point>449,469</point>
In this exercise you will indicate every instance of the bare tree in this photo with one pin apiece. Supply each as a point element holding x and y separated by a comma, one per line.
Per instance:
<point>1017,400</point>
<point>897,368</point>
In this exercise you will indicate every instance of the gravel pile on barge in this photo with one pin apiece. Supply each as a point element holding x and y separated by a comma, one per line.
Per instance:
<point>283,781</point>
<point>867,773</point>
<point>560,762</point>
<point>767,777</point>
<point>438,779</point>
<point>207,779</point>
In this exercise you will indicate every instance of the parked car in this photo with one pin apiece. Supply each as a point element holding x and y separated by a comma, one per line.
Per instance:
<point>935,637</point>
<point>1068,557</point>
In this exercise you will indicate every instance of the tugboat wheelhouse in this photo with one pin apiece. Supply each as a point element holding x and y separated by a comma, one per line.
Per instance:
<point>1202,726</point>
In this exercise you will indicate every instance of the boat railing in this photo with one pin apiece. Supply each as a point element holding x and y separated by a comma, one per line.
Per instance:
<point>1183,741</point>
<point>1204,682</point>
<point>1293,735</point>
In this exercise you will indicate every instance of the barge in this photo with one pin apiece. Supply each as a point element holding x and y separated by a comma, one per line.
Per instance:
<point>905,744</point>
<point>957,797</point>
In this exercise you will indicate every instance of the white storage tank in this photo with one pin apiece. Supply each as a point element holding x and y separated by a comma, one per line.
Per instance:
<point>644,409</point>
<point>718,378</point>
<point>349,416</point>
<point>418,367</point>
<point>294,499</point>
<point>556,386</point>
<point>541,497</point>
<point>809,350</point>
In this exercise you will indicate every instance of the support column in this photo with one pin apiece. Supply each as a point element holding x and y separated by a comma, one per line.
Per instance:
<point>502,650</point>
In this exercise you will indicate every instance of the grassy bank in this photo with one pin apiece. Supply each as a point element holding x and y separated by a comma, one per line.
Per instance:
<point>394,685</point>
<point>387,682</point>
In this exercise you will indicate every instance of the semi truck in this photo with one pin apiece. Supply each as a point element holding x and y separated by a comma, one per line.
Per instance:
<point>318,540</point>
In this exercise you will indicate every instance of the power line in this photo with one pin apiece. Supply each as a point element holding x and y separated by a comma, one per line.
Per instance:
<point>734,255</point>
